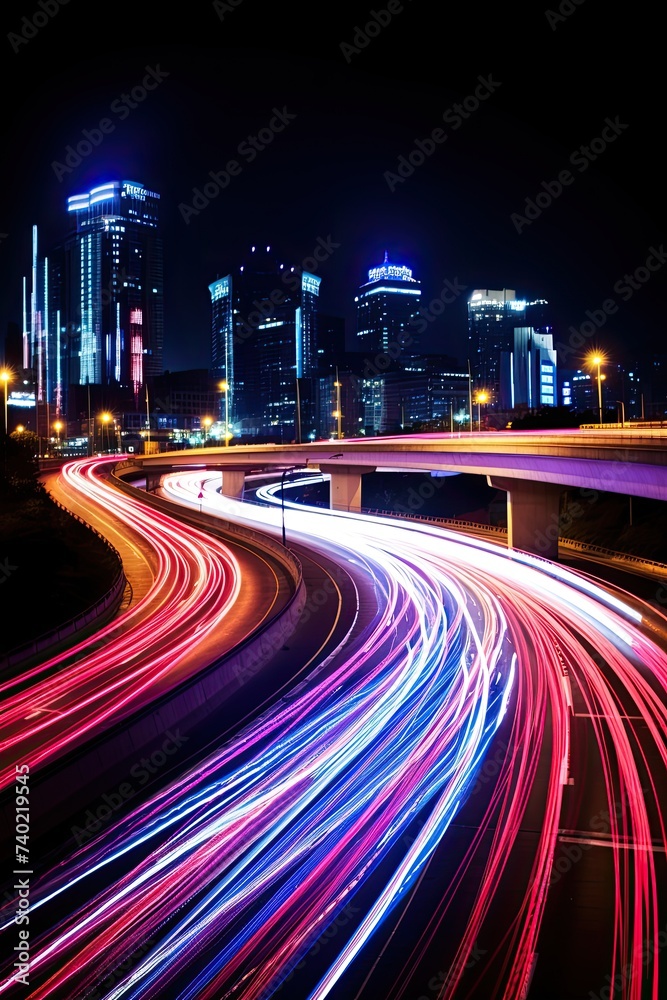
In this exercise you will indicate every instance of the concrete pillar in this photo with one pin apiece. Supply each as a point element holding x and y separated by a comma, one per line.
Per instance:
<point>153,480</point>
<point>533,514</point>
<point>345,491</point>
<point>233,483</point>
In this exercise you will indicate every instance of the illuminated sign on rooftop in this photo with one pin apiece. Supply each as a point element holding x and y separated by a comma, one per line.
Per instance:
<point>104,192</point>
<point>310,283</point>
<point>394,271</point>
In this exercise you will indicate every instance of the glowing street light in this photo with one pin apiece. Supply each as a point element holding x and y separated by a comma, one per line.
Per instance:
<point>206,423</point>
<point>5,376</point>
<point>224,387</point>
<point>597,360</point>
<point>482,397</point>
<point>105,419</point>
<point>58,426</point>
<point>338,413</point>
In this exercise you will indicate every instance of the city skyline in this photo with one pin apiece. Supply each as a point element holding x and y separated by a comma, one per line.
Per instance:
<point>333,481</point>
<point>292,165</point>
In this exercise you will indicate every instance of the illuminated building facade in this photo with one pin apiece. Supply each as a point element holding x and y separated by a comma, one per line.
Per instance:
<point>108,279</point>
<point>492,318</point>
<point>528,371</point>
<point>264,346</point>
<point>387,308</point>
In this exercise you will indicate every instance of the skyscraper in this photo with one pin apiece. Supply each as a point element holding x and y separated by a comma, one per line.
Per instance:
<point>492,317</point>
<point>528,371</point>
<point>387,305</point>
<point>109,274</point>
<point>264,345</point>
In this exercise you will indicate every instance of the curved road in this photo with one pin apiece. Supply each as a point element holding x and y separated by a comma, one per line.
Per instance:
<point>353,800</point>
<point>185,585</point>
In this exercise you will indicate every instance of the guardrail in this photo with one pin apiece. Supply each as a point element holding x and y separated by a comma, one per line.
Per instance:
<point>450,522</point>
<point>263,541</point>
<point>651,567</point>
<point>627,425</point>
<point>110,601</point>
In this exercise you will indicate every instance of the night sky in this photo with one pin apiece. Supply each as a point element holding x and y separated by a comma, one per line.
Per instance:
<point>553,81</point>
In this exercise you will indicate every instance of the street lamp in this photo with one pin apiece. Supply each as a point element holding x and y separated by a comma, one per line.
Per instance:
<point>224,387</point>
<point>482,397</point>
<point>105,418</point>
<point>619,402</point>
<point>337,413</point>
<point>290,468</point>
<point>58,426</point>
<point>5,377</point>
<point>597,360</point>
<point>206,422</point>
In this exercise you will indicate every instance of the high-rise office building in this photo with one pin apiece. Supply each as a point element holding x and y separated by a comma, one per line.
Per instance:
<point>492,317</point>
<point>528,371</point>
<point>108,285</point>
<point>264,346</point>
<point>40,353</point>
<point>387,307</point>
<point>387,317</point>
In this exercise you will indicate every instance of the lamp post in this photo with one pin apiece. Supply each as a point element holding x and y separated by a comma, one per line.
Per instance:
<point>224,387</point>
<point>206,422</point>
<point>597,360</point>
<point>290,468</point>
<point>5,377</point>
<point>58,426</point>
<point>148,421</point>
<point>338,412</point>
<point>482,397</point>
<point>619,402</point>
<point>105,418</point>
<point>282,501</point>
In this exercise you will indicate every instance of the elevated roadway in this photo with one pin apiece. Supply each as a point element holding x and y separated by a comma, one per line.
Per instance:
<point>534,468</point>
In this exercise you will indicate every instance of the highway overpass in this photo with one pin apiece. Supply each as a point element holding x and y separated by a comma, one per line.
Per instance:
<point>532,467</point>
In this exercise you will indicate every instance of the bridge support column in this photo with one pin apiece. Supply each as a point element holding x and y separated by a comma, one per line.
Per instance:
<point>233,483</point>
<point>345,493</point>
<point>153,480</point>
<point>533,514</point>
